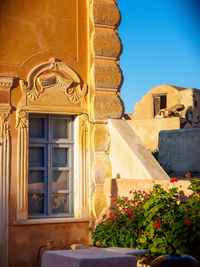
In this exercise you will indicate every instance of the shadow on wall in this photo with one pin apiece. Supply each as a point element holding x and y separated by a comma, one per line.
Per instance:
<point>114,189</point>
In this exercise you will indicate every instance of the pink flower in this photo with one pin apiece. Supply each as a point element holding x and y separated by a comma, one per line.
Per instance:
<point>113,201</point>
<point>108,219</point>
<point>113,216</point>
<point>136,231</point>
<point>144,198</point>
<point>132,217</point>
<point>130,192</point>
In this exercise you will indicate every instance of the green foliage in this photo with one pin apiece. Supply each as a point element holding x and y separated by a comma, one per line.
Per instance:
<point>156,221</point>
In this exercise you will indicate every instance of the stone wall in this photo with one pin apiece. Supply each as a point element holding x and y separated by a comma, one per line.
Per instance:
<point>179,151</point>
<point>105,80</point>
<point>148,130</point>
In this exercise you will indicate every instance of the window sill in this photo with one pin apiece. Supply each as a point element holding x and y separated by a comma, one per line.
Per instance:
<point>50,220</point>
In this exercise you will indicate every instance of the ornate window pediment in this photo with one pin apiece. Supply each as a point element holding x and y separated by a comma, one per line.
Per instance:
<point>50,74</point>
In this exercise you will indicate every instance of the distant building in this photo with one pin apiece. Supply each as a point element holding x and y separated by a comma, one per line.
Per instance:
<point>165,107</point>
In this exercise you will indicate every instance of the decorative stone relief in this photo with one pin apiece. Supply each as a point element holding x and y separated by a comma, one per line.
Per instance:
<point>50,74</point>
<point>4,127</point>
<point>22,155</point>
<point>5,87</point>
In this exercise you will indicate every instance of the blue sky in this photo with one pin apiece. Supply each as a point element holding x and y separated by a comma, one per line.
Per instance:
<point>161,45</point>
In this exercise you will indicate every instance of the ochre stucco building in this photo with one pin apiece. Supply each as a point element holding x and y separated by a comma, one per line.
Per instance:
<point>59,83</point>
<point>61,132</point>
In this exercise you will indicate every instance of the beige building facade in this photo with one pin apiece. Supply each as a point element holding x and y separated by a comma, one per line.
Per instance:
<point>59,83</point>
<point>165,107</point>
<point>61,132</point>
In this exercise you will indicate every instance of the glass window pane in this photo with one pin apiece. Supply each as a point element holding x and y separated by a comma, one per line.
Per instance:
<point>36,204</point>
<point>36,157</point>
<point>60,128</point>
<point>36,127</point>
<point>60,157</point>
<point>36,180</point>
<point>60,203</point>
<point>60,180</point>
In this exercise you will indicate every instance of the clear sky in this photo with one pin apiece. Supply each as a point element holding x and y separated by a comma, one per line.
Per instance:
<point>161,45</point>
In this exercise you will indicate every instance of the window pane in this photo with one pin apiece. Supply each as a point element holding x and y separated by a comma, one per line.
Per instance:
<point>60,157</point>
<point>60,128</point>
<point>36,204</point>
<point>60,203</point>
<point>36,157</point>
<point>60,180</point>
<point>36,180</point>
<point>36,129</point>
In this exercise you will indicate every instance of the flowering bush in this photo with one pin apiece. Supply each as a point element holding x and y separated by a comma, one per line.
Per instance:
<point>156,221</point>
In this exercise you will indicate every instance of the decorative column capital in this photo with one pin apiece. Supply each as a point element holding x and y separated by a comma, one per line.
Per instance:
<point>22,119</point>
<point>4,126</point>
<point>6,84</point>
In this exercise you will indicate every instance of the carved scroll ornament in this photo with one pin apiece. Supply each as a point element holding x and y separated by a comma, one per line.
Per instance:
<point>4,127</point>
<point>50,74</point>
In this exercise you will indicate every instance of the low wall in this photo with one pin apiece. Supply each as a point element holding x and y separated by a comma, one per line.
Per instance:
<point>179,151</point>
<point>122,187</point>
<point>25,240</point>
<point>148,129</point>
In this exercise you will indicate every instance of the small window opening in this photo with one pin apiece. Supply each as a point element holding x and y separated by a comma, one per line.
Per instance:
<point>159,102</point>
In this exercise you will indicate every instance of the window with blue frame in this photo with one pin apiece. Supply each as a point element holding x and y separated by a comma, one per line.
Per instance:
<point>50,178</point>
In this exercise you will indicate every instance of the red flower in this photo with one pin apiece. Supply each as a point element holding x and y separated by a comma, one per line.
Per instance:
<point>128,211</point>
<point>140,232</point>
<point>136,231</point>
<point>188,175</point>
<point>172,180</point>
<point>158,224</point>
<point>126,198</point>
<point>187,222</point>
<point>113,216</point>
<point>144,198</point>
<point>113,201</point>
<point>130,192</point>
<point>132,217</point>
<point>108,219</point>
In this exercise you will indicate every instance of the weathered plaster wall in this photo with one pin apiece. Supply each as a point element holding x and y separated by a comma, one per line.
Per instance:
<point>179,151</point>
<point>25,240</point>
<point>129,157</point>
<point>148,130</point>
<point>75,40</point>
<point>32,32</point>
<point>43,28</point>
